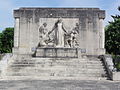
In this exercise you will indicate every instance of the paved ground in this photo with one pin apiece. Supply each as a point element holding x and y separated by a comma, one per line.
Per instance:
<point>59,85</point>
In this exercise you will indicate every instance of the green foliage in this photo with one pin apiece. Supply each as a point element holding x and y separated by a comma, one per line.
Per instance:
<point>6,40</point>
<point>112,36</point>
<point>0,42</point>
<point>118,66</point>
<point>119,8</point>
<point>116,60</point>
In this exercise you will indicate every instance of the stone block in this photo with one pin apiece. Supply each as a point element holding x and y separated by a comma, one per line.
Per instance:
<point>116,76</point>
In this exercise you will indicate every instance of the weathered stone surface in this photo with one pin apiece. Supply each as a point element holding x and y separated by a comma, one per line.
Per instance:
<point>57,52</point>
<point>90,20</point>
<point>55,68</point>
<point>116,76</point>
<point>58,37</point>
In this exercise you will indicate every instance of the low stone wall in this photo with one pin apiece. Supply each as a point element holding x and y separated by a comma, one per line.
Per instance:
<point>1,55</point>
<point>109,65</point>
<point>116,76</point>
<point>4,61</point>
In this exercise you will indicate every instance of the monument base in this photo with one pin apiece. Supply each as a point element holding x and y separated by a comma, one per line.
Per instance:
<point>86,68</point>
<point>58,52</point>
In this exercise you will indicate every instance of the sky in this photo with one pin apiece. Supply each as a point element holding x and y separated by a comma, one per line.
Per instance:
<point>7,7</point>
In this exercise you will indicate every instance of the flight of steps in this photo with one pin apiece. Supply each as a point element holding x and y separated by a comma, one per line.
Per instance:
<point>88,68</point>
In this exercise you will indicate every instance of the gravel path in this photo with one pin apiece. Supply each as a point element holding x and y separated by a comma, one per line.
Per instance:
<point>59,85</point>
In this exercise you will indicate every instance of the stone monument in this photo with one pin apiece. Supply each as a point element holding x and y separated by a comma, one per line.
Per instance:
<point>59,28</point>
<point>56,43</point>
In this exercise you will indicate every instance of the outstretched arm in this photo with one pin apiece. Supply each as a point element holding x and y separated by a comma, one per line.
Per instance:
<point>64,29</point>
<point>52,30</point>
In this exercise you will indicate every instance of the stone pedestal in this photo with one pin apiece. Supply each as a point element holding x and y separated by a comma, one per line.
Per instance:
<point>57,52</point>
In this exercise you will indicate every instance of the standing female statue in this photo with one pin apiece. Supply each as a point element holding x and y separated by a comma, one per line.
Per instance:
<point>59,33</point>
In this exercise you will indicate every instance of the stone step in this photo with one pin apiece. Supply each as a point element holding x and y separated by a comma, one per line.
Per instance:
<point>58,74</point>
<point>43,62</point>
<point>58,66</point>
<point>53,61</point>
<point>56,62</point>
<point>66,59</point>
<point>55,70</point>
<point>50,78</point>
<point>60,63</point>
<point>56,59</point>
<point>51,67</point>
<point>82,58</point>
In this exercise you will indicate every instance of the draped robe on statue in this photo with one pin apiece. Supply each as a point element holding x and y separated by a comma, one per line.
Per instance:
<point>59,34</point>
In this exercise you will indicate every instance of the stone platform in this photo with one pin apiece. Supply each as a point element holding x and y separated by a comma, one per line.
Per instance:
<point>84,68</point>
<point>51,52</point>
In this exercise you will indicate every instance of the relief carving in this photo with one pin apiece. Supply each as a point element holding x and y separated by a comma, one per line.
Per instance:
<point>59,36</point>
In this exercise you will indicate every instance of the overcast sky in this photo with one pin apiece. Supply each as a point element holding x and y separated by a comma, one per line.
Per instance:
<point>7,7</point>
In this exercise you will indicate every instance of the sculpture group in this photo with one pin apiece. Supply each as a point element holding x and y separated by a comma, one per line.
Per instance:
<point>59,36</point>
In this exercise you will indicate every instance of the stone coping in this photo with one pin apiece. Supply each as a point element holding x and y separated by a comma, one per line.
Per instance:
<point>57,48</point>
<point>67,8</point>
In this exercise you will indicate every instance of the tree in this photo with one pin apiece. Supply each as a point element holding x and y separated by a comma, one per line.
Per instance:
<point>112,36</point>
<point>119,8</point>
<point>6,40</point>
<point>0,42</point>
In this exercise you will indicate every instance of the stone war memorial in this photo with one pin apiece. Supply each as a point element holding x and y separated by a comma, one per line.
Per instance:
<point>57,43</point>
<point>55,28</point>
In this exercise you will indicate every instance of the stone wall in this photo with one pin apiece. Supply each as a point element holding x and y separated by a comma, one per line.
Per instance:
<point>28,21</point>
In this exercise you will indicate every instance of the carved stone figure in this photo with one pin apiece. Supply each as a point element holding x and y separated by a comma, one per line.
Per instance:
<point>72,37</point>
<point>61,37</point>
<point>59,33</point>
<point>43,35</point>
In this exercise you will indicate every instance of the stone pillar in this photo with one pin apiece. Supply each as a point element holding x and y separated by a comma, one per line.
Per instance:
<point>16,32</point>
<point>102,34</point>
<point>101,37</point>
<point>16,35</point>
